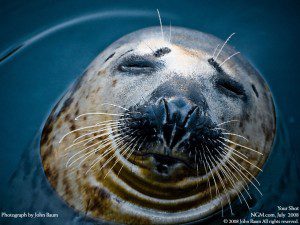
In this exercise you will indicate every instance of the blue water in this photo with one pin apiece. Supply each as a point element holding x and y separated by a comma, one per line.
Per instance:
<point>46,45</point>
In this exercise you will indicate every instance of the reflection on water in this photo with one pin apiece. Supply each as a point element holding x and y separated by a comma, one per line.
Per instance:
<point>37,69</point>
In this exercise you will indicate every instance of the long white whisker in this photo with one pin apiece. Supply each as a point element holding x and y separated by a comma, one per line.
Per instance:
<point>229,171</point>
<point>102,113</point>
<point>100,124</point>
<point>221,180</point>
<point>114,125</point>
<point>120,158</point>
<point>246,160</point>
<point>213,55</point>
<point>238,135</point>
<point>252,176</point>
<point>170,33</point>
<point>132,152</point>
<point>96,160</point>
<point>216,186</point>
<point>241,146</point>
<point>224,45</point>
<point>125,148</point>
<point>226,175</point>
<point>86,141</point>
<point>97,143</point>
<point>118,106</point>
<point>208,179</point>
<point>230,174</point>
<point>236,169</point>
<point>103,134</point>
<point>227,122</point>
<point>101,146</point>
<point>105,153</point>
<point>161,27</point>
<point>247,177</point>
<point>79,129</point>
<point>229,58</point>
<point>222,143</point>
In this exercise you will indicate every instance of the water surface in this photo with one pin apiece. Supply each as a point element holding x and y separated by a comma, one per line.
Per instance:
<point>46,45</point>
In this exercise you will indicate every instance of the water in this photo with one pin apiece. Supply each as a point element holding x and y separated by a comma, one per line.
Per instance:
<point>44,46</point>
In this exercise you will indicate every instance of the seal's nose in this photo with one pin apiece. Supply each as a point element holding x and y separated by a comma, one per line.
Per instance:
<point>177,110</point>
<point>173,117</point>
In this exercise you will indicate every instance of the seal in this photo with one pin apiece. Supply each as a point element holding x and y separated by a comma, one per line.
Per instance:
<point>160,129</point>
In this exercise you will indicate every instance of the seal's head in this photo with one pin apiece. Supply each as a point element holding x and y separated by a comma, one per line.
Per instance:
<point>160,130</point>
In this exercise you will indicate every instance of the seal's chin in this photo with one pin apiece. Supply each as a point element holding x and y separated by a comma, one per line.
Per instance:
<point>174,135</point>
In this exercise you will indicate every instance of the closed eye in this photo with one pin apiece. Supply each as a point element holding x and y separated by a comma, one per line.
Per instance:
<point>231,88</point>
<point>137,65</point>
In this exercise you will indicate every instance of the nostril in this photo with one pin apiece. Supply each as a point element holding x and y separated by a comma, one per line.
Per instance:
<point>194,109</point>
<point>177,110</point>
<point>167,111</point>
<point>162,168</point>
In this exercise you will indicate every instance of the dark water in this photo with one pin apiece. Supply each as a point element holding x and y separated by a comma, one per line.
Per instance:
<point>45,45</point>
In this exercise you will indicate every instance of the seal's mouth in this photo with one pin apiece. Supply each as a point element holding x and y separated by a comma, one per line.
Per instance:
<point>173,131</point>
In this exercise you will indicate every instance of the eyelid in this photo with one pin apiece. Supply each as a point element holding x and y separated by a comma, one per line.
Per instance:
<point>231,87</point>
<point>136,65</point>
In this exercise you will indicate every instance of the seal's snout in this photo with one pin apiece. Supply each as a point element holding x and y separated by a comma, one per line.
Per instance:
<point>174,130</point>
<point>173,117</point>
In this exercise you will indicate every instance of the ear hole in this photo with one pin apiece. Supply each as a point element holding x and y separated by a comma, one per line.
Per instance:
<point>255,90</point>
<point>109,57</point>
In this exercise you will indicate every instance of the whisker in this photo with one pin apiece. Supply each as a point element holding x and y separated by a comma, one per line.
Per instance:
<point>226,175</point>
<point>96,160</point>
<point>244,187</point>
<point>88,154</point>
<point>161,27</point>
<point>118,106</point>
<point>100,147</point>
<point>97,143</point>
<point>216,186</point>
<point>221,180</point>
<point>104,134</point>
<point>227,122</point>
<point>124,148</point>
<point>252,176</point>
<point>241,173</point>
<point>247,177</point>
<point>232,165</point>
<point>213,55</point>
<point>101,143</point>
<point>85,141</point>
<point>219,128</point>
<point>122,154</point>
<point>113,125</point>
<point>208,180</point>
<point>102,113</point>
<point>79,129</point>
<point>246,160</point>
<point>132,152</point>
<point>232,149</point>
<point>170,33</point>
<point>224,45</point>
<point>99,158</point>
<point>231,174</point>
<point>238,135</point>
<point>241,146</point>
<point>228,58</point>
<point>149,47</point>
